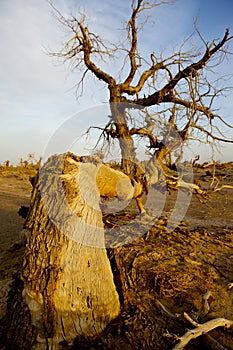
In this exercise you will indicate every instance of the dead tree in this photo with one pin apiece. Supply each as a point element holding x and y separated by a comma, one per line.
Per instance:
<point>68,289</point>
<point>61,295</point>
<point>177,85</point>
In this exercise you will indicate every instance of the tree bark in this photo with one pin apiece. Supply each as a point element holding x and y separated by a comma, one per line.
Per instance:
<point>129,163</point>
<point>68,288</point>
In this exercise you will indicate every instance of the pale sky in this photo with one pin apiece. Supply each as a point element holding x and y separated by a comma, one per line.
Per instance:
<point>36,91</point>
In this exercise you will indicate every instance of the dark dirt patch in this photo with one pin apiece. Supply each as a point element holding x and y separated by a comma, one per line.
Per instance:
<point>176,270</point>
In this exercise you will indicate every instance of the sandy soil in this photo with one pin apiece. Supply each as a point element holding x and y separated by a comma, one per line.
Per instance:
<point>14,191</point>
<point>176,268</point>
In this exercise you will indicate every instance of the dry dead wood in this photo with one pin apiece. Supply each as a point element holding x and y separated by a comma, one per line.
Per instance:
<point>179,183</point>
<point>191,186</point>
<point>205,305</point>
<point>204,166</point>
<point>68,287</point>
<point>201,329</point>
<point>222,188</point>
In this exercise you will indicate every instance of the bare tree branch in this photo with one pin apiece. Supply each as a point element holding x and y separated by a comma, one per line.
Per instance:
<point>82,45</point>
<point>165,94</point>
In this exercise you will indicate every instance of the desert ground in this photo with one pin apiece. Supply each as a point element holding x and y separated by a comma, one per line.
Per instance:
<point>167,274</point>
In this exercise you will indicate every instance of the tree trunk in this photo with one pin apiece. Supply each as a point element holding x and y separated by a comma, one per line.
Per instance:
<point>129,163</point>
<point>160,156</point>
<point>68,288</point>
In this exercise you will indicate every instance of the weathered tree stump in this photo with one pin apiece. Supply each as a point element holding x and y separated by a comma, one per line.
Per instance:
<point>68,287</point>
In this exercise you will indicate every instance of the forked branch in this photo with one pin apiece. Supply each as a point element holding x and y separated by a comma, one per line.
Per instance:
<point>202,329</point>
<point>165,94</point>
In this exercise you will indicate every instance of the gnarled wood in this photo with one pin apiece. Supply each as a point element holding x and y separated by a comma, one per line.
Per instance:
<point>68,282</point>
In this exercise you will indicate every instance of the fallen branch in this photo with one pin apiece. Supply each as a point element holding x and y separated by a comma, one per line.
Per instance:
<point>191,186</point>
<point>202,329</point>
<point>222,187</point>
<point>189,318</point>
<point>210,342</point>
